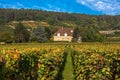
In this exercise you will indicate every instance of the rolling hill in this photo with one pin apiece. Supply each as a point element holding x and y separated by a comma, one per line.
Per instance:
<point>30,18</point>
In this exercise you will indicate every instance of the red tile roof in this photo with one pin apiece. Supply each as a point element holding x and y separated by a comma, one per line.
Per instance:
<point>62,31</point>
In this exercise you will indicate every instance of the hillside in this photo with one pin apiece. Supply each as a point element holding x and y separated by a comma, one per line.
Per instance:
<point>31,24</point>
<point>104,22</point>
<point>9,18</point>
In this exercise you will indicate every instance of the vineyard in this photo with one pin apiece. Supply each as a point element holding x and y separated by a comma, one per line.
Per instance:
<point>85,61</point>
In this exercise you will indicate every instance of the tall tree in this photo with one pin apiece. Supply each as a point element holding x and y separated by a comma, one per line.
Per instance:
<point>21,34</point>
<point>76,34</point>
<point>48,32</point>
<point>39,35</point>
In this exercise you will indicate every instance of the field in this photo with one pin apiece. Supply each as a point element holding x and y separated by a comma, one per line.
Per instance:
<point>60,61</point>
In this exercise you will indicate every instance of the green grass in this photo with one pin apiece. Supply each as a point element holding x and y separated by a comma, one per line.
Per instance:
<point>68,69</point>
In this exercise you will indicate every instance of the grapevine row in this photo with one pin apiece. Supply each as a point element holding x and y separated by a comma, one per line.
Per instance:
<point>31,64</point>
<point>96,65</point>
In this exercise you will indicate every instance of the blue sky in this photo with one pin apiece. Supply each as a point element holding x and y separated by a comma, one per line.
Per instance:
<point>110,7</point>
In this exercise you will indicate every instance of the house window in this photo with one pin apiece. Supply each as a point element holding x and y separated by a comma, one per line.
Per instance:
<point>65,34</point>
<point>58,34</point>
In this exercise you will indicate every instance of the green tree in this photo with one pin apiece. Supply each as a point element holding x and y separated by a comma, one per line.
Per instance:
<point>21,34</point>
<point>48,32</point>
<point>39,35</point>
<point>91,34</point>
<point>1,20</point>
<point>76,34</point>
<point>6,37</point>
<point>51,20</point>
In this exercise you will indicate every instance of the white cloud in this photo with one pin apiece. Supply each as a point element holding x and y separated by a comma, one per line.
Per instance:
<point>90,0</point>
<point>105,6</point>
<point>17,5</point>
<point>81,2</point>
<point>54,8</point>
<point>49,8</point>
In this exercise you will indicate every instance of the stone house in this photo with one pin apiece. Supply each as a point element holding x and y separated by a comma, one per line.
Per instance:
<point>64,34</point>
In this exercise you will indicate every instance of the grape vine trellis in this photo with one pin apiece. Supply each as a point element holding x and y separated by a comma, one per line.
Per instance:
<point>47,62</point>
<point>93,65</point>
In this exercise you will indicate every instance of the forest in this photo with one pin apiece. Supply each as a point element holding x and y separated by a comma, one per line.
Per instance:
<point>88,25</point>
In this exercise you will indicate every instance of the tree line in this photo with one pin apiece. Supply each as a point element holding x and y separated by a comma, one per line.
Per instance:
<point>21,34</point>
<point>38,34</point>
<point>104,22</point>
